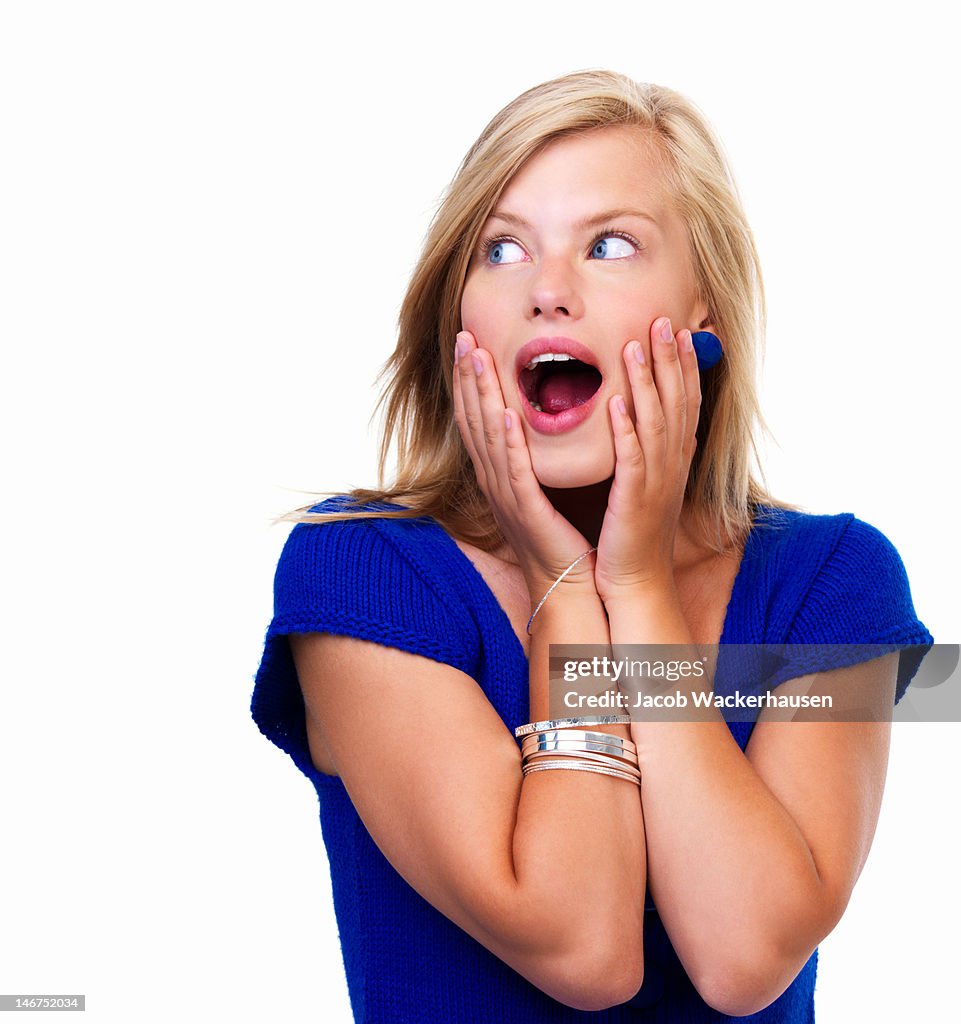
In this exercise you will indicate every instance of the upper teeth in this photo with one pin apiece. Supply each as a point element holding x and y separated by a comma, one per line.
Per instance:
<point>546,357</point>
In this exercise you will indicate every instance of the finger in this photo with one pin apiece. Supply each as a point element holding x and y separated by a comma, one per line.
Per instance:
<point>630,470</point>
<point>466,409</point>
<point>553,539</point>
<point>669,378</point>
<point>492,427</point>
<point>520,468</point>
<point>649,420</point>
<point>692,389</point>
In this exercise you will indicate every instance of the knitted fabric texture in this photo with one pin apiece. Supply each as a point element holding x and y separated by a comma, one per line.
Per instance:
<point>803,579</point>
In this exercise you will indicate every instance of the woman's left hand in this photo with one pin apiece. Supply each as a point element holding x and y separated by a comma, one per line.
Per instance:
<point>654,452</point>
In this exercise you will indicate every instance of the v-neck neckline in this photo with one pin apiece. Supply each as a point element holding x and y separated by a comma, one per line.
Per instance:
<point>734,601</point>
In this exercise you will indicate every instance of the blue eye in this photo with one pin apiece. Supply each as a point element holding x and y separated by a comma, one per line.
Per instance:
<point>611,245</point>
<point>498,251</point>
<point>602,249</point>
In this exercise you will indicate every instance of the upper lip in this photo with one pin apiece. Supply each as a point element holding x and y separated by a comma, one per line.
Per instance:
<point>537,346</point>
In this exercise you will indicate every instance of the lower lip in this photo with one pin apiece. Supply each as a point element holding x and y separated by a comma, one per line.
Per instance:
<point>560,423</point>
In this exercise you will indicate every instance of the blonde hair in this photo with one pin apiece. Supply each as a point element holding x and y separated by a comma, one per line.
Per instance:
<point>435,475</point>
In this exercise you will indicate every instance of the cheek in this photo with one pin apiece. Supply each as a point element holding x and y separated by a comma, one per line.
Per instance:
<point>483,312</point>
<point>630,310</point>
<point>491,298</point>
<point>477,306</point>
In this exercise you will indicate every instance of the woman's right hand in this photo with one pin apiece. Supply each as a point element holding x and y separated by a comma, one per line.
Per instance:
<point>544,542</point>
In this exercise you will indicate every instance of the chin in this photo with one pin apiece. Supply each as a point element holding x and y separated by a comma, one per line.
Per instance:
<point>578,468</point>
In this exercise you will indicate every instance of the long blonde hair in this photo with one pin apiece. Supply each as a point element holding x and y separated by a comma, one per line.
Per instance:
<point>435,476</point>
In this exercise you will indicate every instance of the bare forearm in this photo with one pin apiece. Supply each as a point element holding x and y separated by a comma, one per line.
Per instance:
<point>731,873</point>
<point>578,842</point>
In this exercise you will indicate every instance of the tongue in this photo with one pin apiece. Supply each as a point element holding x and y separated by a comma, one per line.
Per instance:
<point>562,391</point>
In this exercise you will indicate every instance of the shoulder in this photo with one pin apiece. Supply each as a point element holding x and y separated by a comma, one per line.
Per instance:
<point>785,553</point>
<point>837,580</point>
<point>787,530</point>
<point>848,578</point>
<point>372,577</point>
<point>360,546</point>
<point>828,545</point>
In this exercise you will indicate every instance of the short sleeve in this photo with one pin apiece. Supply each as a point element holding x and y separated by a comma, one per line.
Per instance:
<point>861,598</point>
<point>352,578</point>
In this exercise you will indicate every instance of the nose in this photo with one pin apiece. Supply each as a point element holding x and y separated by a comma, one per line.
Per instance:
<point>554,292</point>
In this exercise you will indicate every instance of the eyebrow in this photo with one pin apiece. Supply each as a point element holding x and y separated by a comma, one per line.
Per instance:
<point>585,222</point>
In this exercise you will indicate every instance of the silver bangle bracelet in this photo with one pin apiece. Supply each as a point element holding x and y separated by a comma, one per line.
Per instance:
<point>581,736</point>
<point>580,558</point>
<point>580,748</point>
<point>571,723</point>
<point>610,762</point>
<point>574,766</point>
<point>548,742</point>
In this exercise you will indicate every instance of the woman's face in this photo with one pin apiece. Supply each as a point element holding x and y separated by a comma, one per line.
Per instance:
<point>584,247</point>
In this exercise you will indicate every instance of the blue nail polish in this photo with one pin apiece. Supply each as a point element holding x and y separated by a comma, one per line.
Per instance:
<point>708,349</point>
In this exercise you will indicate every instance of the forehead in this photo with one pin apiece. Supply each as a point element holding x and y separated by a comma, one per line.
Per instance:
<point>573,176</point>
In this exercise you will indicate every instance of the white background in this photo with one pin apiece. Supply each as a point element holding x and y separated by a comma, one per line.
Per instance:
<point>209,215</point>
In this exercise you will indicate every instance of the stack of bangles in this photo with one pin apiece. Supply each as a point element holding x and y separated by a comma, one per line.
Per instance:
<point>563,744</point>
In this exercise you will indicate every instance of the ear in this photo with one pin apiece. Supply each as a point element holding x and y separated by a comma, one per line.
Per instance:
<point>706,325</point>
<point>701,315</point>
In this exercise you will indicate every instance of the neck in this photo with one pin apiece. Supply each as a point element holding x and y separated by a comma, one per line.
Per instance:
<point>583,507</point>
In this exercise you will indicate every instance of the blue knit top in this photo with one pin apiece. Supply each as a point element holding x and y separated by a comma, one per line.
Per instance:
<point>803,579</point>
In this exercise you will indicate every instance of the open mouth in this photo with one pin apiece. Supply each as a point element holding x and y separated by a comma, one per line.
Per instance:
<point>554,382</point>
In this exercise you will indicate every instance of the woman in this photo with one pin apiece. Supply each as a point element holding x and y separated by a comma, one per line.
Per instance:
<point>594,220</point>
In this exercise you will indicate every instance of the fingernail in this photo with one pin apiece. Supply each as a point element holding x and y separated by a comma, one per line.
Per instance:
<point>621,405</point>
<point>687,340</point>
<point>507,419</point>
<point>639,352</point>
<point>666,333</point>
<point>478,365</point>
<point>460,348</point>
